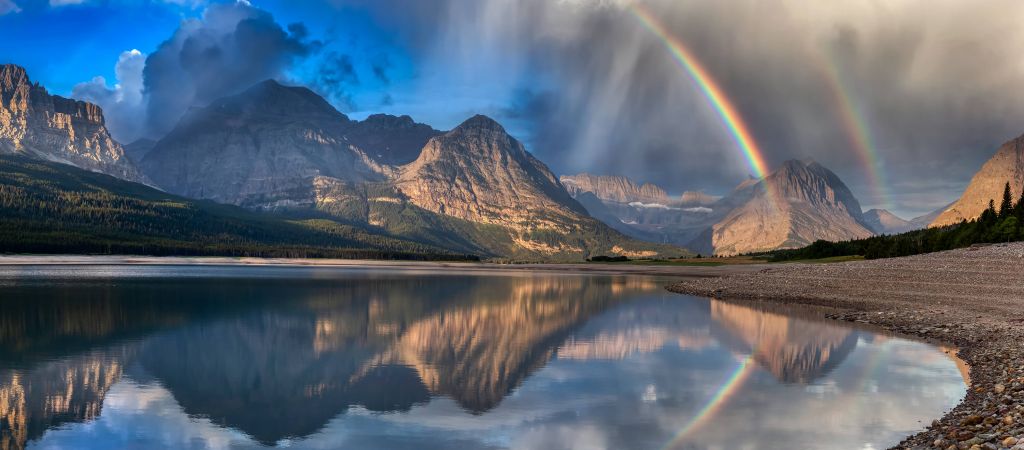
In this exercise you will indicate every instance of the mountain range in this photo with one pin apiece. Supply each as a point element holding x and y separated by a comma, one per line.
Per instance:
<point>285,151</point>
<point>283,154</point>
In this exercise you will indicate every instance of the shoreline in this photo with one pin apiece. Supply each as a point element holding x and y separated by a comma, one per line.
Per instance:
<point>971,298</point>
<point>679,271</point>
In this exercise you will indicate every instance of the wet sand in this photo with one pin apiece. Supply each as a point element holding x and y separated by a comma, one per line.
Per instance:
<point>970,298</point>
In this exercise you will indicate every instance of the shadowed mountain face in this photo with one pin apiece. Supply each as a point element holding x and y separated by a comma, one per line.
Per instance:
<point>881,221</point>
<point>35,123</point>
<point>1006,166</point>
<point>261,148</point>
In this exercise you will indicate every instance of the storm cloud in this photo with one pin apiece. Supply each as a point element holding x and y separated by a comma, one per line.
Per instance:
<point>937,85</point>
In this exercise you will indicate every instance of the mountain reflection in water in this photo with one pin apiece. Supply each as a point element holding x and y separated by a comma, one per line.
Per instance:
<point>314,358</point>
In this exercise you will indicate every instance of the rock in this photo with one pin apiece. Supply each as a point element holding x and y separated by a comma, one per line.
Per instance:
<point>1007,165</point>
<point>1010,441</point>
<point>999,388</point>
<point>39,125</point>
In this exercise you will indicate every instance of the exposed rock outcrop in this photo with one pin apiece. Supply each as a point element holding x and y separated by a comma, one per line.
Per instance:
<point>54,128</point>
<point>799,203</point>
<point>614,188</point>
<point>1007,166</point>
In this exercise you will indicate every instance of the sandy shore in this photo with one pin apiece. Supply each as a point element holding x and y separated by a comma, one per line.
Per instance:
<point>602,269</point>
<point>970,298</point>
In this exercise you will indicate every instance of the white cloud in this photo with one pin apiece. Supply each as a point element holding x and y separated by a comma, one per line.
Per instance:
<point>8,6</point>
<point>122,102</point>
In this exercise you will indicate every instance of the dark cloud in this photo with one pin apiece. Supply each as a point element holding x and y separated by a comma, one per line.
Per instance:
<point>380,67</point>
<point>335,77</point>
<point>931,81</point>
<point>231,47</point>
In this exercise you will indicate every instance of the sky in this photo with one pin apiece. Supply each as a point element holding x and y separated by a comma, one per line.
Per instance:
<point>903,99</point>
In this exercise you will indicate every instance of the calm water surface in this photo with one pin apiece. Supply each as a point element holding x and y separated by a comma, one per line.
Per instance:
<point>317,358</point>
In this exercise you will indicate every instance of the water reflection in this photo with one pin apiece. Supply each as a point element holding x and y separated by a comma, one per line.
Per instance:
<point>318,358</point>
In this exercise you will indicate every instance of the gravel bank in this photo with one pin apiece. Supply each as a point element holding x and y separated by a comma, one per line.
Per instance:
<point>971,298</point>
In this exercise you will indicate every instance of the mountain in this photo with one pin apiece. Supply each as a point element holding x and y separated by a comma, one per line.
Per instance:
<point>262,148</point>
<point>392,140</point>
<point>37,124</point>
<point>923,221</point>
<point>472,190</point>
<point>1006,166</point>
<point>614,189</point>
<point>882,221</point>
<point>139,149</point>
<point>799,203</point>
<point>480,174</point>
<point>56,208</point>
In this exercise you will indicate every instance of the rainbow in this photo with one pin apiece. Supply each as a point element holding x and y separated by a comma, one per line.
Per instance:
<point>717,401</point>
<point>857,129</point>
<point>709,87</point>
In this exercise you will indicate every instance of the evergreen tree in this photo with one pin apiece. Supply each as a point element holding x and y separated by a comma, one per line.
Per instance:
<point>1018,210</point>
<point>1006,207</point>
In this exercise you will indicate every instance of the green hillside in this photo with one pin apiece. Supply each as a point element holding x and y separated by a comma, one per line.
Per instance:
<point>54,208</point>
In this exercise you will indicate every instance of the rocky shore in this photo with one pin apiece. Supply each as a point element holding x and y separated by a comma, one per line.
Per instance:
<point>971,298</point>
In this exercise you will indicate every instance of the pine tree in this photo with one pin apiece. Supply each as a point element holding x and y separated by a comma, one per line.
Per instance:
<point>1006,207</point>
<point>1018,210</point>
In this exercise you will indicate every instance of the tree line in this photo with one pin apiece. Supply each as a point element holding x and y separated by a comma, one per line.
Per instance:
<point>1002,222</point>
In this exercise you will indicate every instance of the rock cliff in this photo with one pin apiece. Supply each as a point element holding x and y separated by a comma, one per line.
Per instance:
<point>1006,166</point>
<point>50,127</point>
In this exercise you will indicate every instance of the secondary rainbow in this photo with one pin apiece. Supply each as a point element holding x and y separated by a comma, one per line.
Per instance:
<point>717,401</point>
<point>709,87</point>
<point>857,129</point>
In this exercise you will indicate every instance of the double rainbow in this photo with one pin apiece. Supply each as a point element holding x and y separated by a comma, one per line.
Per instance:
<point>709,87</point>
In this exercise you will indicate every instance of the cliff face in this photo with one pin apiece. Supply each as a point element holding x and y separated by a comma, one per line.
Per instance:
<point>799,203</point>
<point>35,123</point>
<point>1006,166</point>
<point>479,173</point>
<point>614,189</point>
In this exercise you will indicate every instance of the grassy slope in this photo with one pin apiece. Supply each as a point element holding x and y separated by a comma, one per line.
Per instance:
<point>53,208</point>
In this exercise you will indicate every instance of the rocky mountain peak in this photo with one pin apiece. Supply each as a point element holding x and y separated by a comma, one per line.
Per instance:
<point>1006,166</point>
<point>797,204</point>
<point>54,128</point>
<point>271,98</point>
<point>479,124</point>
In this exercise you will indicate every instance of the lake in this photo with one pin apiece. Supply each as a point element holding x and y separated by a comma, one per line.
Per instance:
<point>211,357</point>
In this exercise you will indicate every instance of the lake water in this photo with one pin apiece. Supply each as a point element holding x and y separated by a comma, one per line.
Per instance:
<point>314,358</point>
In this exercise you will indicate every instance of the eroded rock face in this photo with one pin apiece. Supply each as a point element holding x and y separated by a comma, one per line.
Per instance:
<point>262,148</point>
<point>614,188</point>
<point>50,127</point>
<point>1006,166</point>
<point>799,203</point>
<point>479,173</point>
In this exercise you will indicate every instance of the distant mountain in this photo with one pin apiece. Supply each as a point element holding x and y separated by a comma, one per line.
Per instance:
<point>37,124</point>
<point>884,222</point>
<point>614,188</point>
<point>923,221</point>
<point>391,140</point>
<point>799,203</point>
<point>1006,166</point>
<point>139,149</point>
<point>473,190</point>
